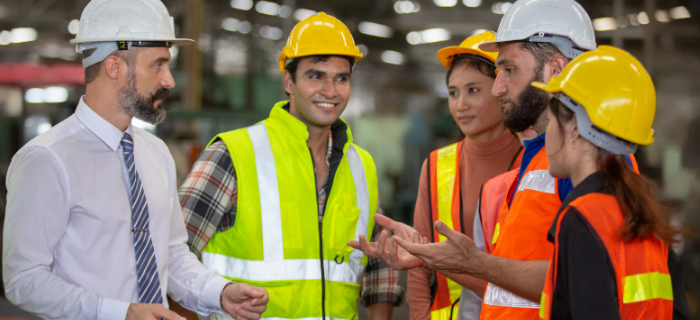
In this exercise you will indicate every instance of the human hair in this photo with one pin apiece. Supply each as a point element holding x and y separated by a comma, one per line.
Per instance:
<point>93,71</point>
<point>643,214</point>
<point>294,64</point>
<point>468,62</point>
<point>543,52</point>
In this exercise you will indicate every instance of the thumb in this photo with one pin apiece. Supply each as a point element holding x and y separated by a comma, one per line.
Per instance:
<point>444,230</point>
<point>252,291</point>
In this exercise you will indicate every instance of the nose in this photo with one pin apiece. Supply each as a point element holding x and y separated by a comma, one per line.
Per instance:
<point>167,80</point>
<point>499,85</point>
<point>463,103</point>
<point>329,90</point>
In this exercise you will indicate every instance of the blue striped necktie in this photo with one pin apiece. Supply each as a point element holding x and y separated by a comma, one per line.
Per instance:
<point>146,268</point>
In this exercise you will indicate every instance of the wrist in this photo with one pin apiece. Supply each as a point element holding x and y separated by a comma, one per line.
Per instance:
<point>221,297</point>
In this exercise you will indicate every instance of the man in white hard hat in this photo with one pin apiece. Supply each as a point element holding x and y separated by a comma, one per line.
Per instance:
<point>93,228</point>
<point>536,39</point>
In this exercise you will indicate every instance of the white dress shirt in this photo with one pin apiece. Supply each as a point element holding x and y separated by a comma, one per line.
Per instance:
<point>67,248</point>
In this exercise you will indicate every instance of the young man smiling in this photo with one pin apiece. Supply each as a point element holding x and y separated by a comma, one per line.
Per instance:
<point>275,203</point>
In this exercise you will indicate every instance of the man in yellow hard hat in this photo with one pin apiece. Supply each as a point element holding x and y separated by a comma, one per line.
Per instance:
<point>274,204</point>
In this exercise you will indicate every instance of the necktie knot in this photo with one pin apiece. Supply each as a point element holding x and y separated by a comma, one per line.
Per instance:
<point>127,143</point>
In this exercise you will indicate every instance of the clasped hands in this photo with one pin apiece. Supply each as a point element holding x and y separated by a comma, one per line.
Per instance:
<point>242,301</point>
<point>407,249</point>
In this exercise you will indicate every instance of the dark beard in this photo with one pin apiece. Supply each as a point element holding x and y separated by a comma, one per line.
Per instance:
<point>532,102</point>
<point>141,106</point>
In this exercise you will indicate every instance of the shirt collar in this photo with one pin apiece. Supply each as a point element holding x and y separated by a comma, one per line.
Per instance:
<point>104,130</point>
<point>535,141</point>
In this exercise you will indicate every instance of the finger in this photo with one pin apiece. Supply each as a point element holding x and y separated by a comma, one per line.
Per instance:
<point>381,247</point>
<point>246,315</point>
<point>251,291</point>
<point>261,301</point>
<point>366,248</point>
<point>417,250</point>
<point>160,312</point>
<point>425,240</point>
<point>254,308</point>
<point>386,222</point>
<point>355,245</point>
<point>393,255</point>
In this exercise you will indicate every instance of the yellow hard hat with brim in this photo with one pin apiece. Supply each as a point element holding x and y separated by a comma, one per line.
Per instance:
<point>468,46</point>
<point>319,34</point>
<point>615,90</point>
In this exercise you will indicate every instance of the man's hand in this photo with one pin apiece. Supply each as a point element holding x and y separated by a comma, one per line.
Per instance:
<point>457,254</point>
<point>150,311</point>
<point>382,248</point>
<point>244,302</point>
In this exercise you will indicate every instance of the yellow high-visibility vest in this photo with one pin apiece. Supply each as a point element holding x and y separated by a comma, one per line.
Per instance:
<point>277,241</point>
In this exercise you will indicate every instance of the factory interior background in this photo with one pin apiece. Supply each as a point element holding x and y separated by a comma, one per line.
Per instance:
<point>398,108</point>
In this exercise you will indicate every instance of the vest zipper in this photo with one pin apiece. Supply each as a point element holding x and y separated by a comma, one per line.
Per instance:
<point>320,242</point>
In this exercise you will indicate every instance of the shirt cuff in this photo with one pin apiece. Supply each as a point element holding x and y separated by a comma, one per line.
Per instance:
<point>110,309</point>
<point>211,295</point>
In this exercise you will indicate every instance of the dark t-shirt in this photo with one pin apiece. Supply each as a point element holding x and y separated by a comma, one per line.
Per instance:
<point>585,284</point>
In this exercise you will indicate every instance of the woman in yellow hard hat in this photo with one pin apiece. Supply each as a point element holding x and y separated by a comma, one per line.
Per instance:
<point>451,176</point>
<point>612,258</point>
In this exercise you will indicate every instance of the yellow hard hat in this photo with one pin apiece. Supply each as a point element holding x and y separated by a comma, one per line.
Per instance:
<point>468,46</point>
<point>319,34</point>
<point>615,90</point>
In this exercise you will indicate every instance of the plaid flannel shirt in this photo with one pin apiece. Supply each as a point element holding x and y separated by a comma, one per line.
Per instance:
<point>209,199</point>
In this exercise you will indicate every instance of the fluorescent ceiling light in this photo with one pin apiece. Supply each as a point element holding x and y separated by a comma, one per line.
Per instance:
<point>267,7</point>
<point>643,18</point>
<point>500,7</point>
<point>285,11</point>
<point>632,19</point>
<point>662,16</point>
<point>445,3</point>
<point>242,4</point>
<point>55,94</point>
<point>245,27</point>
<point>231,24</point>
<point>73,26</point>
<point>375,29</point>
<point>271,32</point>
<point>301,14</point>
<point>392,57</point>
<point>34,95</point>
<point>428,36</point>
<point>5,37</point>
<point>406,7</point>
<point>19,35</point>
<point>472,3</point>
<point>604,24</point>
<point>679,13</point>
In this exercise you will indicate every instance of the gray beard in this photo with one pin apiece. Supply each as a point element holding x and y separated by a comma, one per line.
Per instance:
<point>141,106</point>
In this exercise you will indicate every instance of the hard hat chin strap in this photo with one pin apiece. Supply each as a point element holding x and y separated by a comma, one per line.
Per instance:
<point>594,134</point>
<point>104,49</point>
<point>564,44</point>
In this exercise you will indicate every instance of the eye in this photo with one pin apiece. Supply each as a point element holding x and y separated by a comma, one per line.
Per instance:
<point>473,90</point>
<point>315,76</point>
<point>342,79</point>
<point>510,70</point>
<point>453,93</point>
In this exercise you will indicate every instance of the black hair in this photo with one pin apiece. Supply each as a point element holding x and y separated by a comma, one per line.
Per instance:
<point>471,61</point>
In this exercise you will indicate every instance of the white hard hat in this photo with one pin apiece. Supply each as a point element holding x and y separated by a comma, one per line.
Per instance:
<point>562,22</point>
<point>110,25</point>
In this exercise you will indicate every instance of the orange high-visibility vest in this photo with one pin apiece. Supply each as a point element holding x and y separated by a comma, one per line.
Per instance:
<point>445,205</point>
<point>521,234</point>
<point>493,194</point>
<point>644,289</point>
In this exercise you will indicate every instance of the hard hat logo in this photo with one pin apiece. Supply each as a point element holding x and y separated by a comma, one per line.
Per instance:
<point>319,34</point>
<point>561,22</point>
<point>121,24</point>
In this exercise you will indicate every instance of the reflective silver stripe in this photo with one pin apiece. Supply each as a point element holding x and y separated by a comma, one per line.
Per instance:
<point>273,245</point>
<point>291,269</point>
<point>362,194</point>
<point>538,180</point>
<point>497,296</point>
<point>478,229</point>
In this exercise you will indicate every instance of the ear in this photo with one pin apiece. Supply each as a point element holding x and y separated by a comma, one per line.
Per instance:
<point>288,83</point>
<point>575,134</point>
<point>112,65</point>
<point>558,64</point>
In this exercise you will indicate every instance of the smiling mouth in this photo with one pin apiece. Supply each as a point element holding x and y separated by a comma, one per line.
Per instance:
<point>465,119</point>
<point>325,105</point>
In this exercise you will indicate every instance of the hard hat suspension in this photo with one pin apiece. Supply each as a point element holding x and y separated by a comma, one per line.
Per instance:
<point>594,134</point>
<point>564,44</point>
<point>104,49</point>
